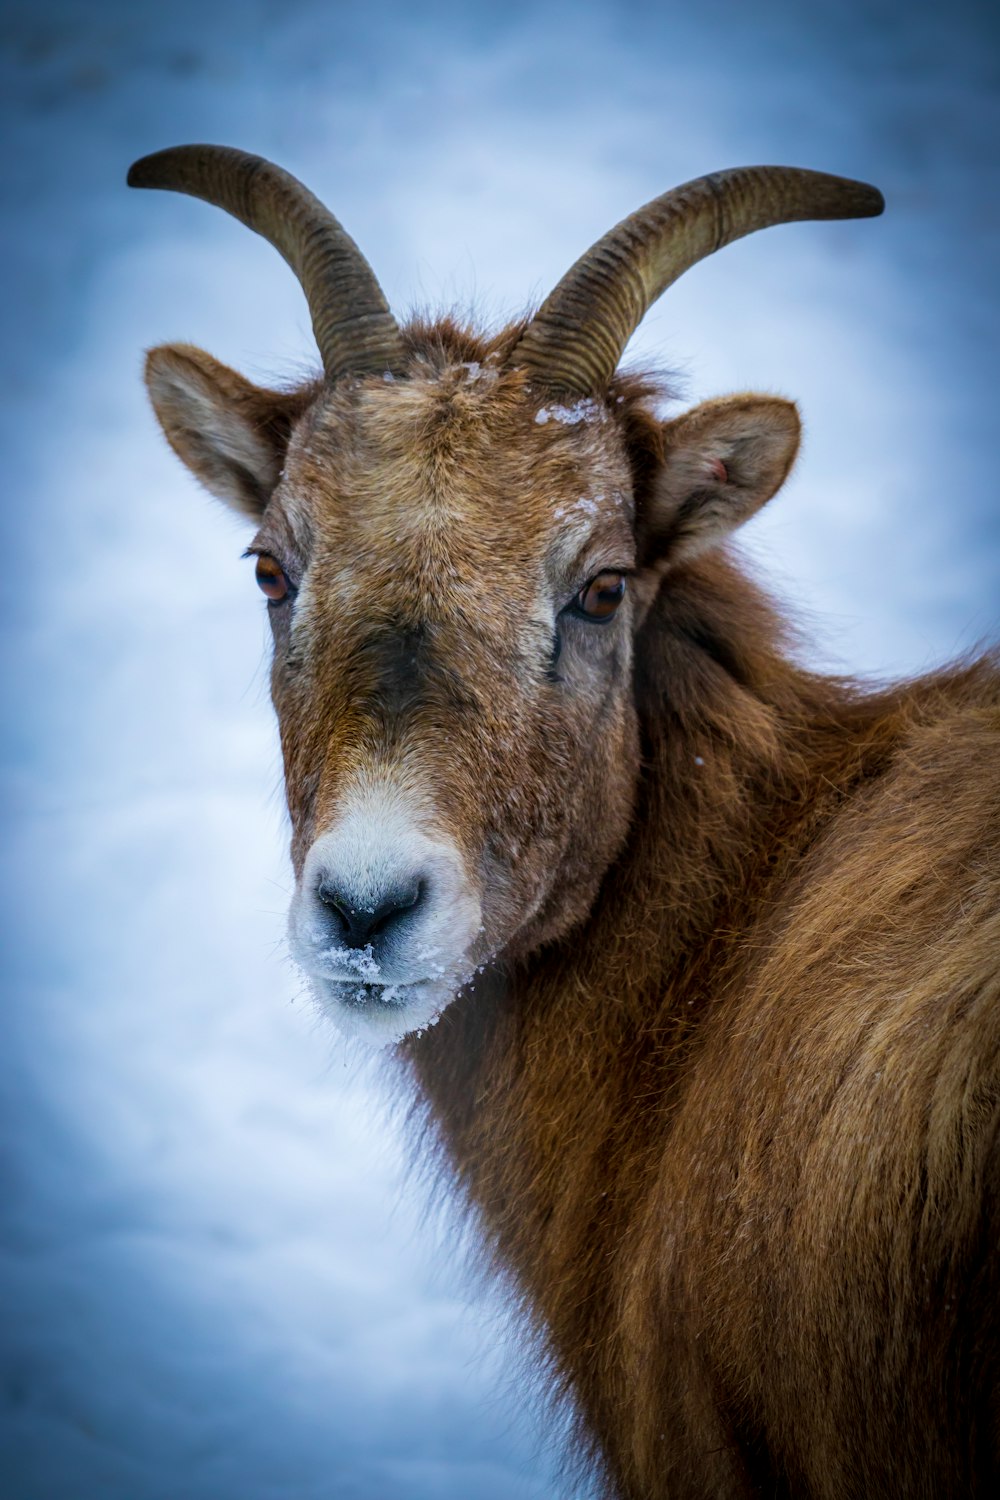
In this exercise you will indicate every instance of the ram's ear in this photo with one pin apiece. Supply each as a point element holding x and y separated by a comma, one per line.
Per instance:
<point>231,434</point>
<point>722,462</point>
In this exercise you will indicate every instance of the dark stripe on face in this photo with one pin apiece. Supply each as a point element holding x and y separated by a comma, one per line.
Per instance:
<point>396,665</point>
<point>404,669</point>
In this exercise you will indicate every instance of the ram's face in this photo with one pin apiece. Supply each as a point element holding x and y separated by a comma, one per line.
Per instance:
<point>455,571</point>
<point>449,566</point>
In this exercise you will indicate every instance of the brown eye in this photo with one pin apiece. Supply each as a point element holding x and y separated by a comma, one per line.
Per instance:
<point>602,596</point>
<point>271,578</point>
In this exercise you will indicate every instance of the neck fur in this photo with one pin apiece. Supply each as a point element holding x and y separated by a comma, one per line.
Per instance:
<point>549,1091</point>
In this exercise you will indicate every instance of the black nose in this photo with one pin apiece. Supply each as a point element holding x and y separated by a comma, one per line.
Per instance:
<point>357,926</point>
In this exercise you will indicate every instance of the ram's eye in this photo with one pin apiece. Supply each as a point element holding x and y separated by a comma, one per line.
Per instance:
<point>271,578</point>
<point>601,597</point>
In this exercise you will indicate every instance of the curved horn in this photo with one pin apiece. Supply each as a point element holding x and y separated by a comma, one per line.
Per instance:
<point>575,340</point>
<point>355,331</point>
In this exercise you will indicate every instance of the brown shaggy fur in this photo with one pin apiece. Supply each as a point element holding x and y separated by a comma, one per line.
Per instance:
<point>738,1139</point>
<point>733,1132</point>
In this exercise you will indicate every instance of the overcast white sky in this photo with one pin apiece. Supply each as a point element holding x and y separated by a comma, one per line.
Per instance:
<point>216,1277</point>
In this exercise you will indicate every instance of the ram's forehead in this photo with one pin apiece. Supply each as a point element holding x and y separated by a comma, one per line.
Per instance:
<point>466,451</point>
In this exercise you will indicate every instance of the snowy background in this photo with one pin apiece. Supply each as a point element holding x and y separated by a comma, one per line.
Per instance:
<point>218,1280</point>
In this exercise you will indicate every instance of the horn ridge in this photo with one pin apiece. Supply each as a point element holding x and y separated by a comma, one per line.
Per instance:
<point>354,329</point>
<point>575,340</point>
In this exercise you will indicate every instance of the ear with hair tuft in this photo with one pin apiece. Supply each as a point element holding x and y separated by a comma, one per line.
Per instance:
<point>231,434</point>
<point>722,462</point>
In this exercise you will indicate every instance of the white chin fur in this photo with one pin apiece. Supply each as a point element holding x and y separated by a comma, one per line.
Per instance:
<point>381,1014</point>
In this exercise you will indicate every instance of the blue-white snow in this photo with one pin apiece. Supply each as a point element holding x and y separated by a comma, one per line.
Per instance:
<point>215,1277</point>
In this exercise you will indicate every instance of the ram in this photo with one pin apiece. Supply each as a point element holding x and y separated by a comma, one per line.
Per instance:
<point>690,955</point>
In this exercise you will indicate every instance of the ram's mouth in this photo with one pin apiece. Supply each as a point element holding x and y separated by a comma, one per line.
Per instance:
<point>381,1013</point>
<point>360,994</point>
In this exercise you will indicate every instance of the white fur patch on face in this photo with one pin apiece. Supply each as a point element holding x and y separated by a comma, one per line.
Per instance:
<point>593,532</point>
<point>396,978</point>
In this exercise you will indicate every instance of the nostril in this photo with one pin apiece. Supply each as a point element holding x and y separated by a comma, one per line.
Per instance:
<point>359,924</point>
<point>396,905</point>
<point>338,907</point>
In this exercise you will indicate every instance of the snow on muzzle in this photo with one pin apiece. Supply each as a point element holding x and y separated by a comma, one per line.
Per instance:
<point>384,920</point>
